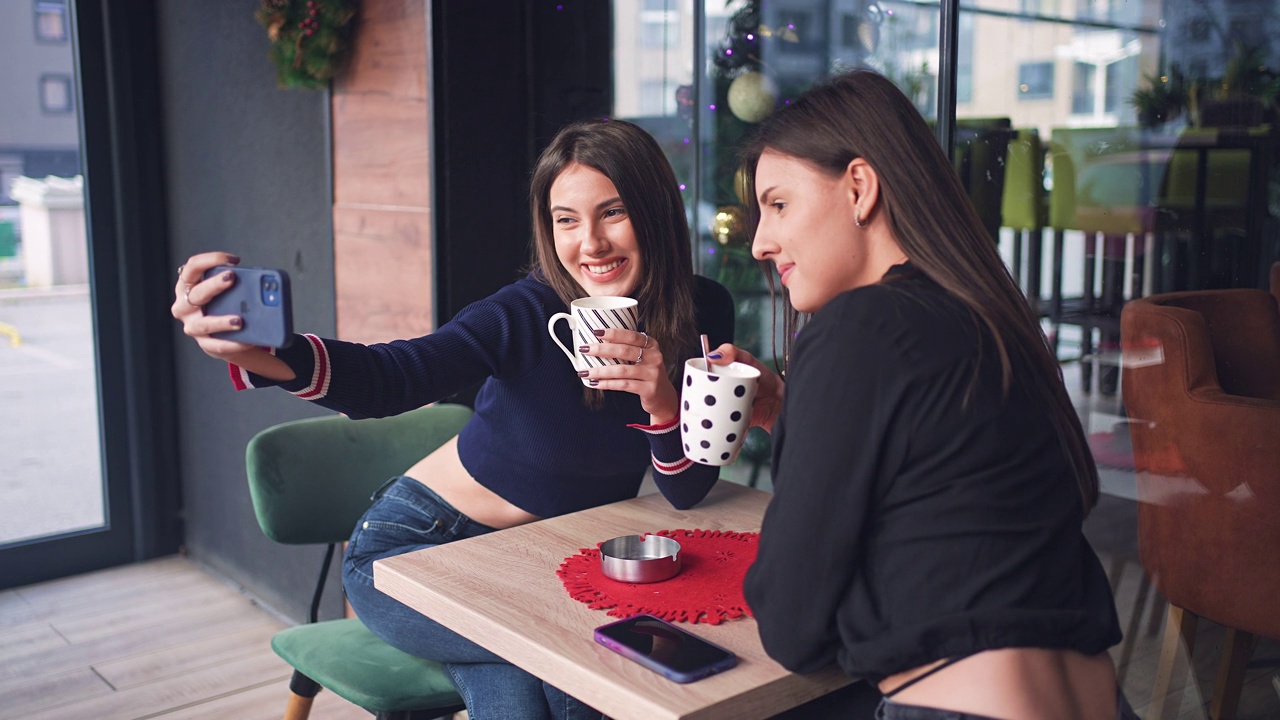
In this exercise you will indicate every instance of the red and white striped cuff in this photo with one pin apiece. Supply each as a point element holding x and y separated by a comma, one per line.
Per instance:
<point>321,371</point>
<point>671,468</point>
<point>240,378</point>
<point>662,429</point>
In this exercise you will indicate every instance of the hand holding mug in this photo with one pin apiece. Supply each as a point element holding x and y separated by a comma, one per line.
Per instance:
<point>612,354</point>
<point>770,388</point>
<point>642,371</point>
<point>586,316</point>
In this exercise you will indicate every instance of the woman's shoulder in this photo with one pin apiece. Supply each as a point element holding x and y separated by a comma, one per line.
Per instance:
<point>907,295</point>
<point>906,315</point>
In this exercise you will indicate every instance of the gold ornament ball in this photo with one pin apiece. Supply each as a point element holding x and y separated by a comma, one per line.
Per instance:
<point>729,225</point>
<point>752,96</point>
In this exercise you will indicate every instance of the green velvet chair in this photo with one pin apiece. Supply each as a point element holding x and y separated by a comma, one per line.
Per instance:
<point>311,480</point>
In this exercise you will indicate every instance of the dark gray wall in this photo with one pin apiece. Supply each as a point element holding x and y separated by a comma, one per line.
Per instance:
<point>247,170</point>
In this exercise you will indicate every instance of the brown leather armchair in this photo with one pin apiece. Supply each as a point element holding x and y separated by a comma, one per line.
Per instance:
<point>1202,386</point>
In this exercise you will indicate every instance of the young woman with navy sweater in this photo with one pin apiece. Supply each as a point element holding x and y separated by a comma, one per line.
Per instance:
<point>608,220</point>
<point>930,473</point>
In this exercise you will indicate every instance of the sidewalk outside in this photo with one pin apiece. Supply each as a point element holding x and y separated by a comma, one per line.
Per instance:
<point>50,458</point>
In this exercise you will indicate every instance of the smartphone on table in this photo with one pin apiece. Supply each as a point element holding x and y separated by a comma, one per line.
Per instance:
<point>674,653</point>
<point>260,296</point>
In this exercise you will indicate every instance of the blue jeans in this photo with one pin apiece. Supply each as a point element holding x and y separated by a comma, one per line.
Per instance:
<point>407,516</point>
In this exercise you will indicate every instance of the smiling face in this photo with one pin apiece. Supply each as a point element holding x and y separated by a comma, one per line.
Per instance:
<point>594,238</point>
<point>807,230</point>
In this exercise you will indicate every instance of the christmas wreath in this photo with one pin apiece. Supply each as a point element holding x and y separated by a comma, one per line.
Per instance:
<point>310,39</point>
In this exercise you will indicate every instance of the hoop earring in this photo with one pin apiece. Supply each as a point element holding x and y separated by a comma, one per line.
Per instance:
<point>857,220</point>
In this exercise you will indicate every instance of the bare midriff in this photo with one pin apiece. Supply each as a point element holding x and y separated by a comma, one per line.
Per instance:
<point>1022,683</point>
<point>442,471</point>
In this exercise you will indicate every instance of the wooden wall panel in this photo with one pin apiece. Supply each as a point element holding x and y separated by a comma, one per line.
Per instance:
<point>380,152</point>
<point>382,255</point>
<point>381,178</point>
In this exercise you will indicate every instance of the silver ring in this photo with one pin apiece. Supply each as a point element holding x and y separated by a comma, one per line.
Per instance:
<point>187,296</point>
<point>639,357</point>
<point>180,268</point>
<point>646,341</point>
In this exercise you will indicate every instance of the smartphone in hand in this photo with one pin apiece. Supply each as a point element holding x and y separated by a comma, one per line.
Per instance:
<point>260,296</point>
<point>674,653</point>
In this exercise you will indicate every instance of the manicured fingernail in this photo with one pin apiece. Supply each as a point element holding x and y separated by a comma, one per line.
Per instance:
<point>584,373</point>
<point>714,356</point>
<point>233,259</point>
<point>584,348</point>
<point>236,322</point>
<point>598,333</point>
<point>593,383</point>
<point>228,276</point>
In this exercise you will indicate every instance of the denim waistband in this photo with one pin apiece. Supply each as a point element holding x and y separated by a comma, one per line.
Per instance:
<point>407,490</point>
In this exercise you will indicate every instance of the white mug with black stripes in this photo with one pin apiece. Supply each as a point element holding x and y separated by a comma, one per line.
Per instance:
<point>593,313</point>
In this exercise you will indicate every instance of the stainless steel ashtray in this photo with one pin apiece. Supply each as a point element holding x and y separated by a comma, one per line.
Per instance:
<point>640,559</point>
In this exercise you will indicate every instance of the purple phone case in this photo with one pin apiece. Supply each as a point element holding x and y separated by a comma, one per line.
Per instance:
<point>729,660</point>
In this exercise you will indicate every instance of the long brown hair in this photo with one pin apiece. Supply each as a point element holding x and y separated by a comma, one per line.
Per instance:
<point>861,114</point>
<point>634,162</point>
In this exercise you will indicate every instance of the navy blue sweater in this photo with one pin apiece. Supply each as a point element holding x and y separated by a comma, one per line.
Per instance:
<point>532,440</point>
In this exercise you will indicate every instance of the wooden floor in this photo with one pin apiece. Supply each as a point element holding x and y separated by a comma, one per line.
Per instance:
<point>162,639</point>
<point>165,639</point>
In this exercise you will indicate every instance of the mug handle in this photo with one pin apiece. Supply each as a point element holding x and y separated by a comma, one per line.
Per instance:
<point>551,330</point>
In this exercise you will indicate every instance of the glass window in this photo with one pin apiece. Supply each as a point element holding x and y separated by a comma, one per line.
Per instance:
<point>51,21</point>
<point>55,94</point>
<point>1084,85</point>
<point>1145,165</point>
<point>1153,173</point>
<point>51,462</point>
<point>1035,80</point>
<point>964,60</point>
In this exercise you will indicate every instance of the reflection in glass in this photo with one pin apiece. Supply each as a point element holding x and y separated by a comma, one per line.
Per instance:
<point>1117,150</point>
<point>1147,168</point>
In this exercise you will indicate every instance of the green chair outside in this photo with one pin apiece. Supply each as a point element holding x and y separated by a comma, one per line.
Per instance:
<point>1217,228</point>
<point>310,481</point>
<point>1022,208</point>
<point>1105,185</point>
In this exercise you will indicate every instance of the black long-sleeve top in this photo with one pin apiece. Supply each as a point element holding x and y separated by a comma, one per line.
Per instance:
<point>908,525</point>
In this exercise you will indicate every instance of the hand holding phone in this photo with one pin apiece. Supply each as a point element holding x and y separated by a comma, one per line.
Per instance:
<point>260,296</point>
<point>674,653</point>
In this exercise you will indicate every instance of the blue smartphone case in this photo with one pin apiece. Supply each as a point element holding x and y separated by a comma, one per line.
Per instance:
<point>260,296</point>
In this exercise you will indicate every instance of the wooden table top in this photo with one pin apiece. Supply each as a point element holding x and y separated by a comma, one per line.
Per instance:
<point>501,591</point>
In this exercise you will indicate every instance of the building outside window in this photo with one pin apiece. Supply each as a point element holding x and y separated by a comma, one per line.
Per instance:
<point>55,94</point>
<point>1035,81</point>
<point>51,21</point>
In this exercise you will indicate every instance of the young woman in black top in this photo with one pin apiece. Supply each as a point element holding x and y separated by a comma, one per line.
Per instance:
<point>930,473</point>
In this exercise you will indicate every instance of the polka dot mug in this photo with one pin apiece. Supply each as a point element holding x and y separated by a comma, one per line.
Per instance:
<point>715,410</point>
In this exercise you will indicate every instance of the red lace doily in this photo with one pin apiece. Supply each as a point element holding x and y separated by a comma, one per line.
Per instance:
<point>707,590</point>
